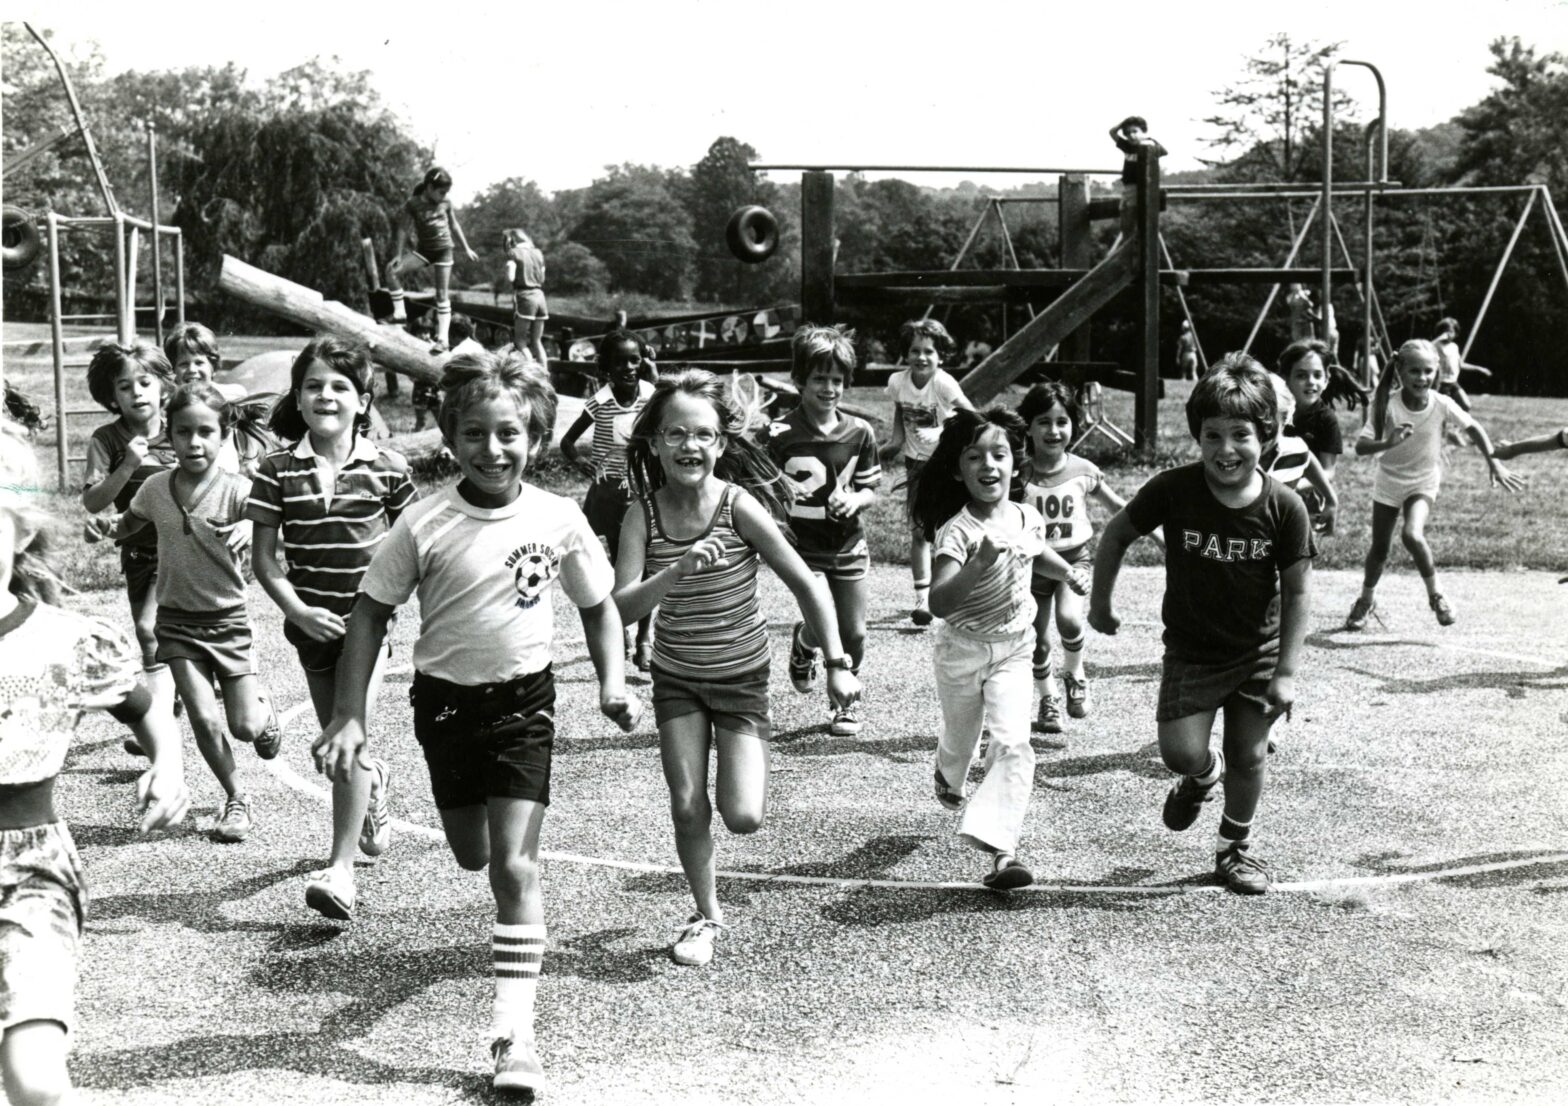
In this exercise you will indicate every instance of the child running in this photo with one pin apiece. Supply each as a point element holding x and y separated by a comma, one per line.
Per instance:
<point>1317,387</point>
<point>612,412</point>
<point>484,557</point>
<point>203,630</point>
<point>192,350</point>
<point>53,666</point>
<point>326,503</point>
<point>1291,461</point>
<point>1541,443</point>
<point>1405,432</point>
<point>525,273</point>
<point>923,395</point>
<point>988,547</point>
<point>1237,572</point>
<point>1059,485</point>
<point>832,462</point>
<point>435,225</point>
<point>707,498</point>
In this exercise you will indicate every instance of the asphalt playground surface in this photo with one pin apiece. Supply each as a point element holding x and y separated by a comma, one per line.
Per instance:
<point>1413,950</point>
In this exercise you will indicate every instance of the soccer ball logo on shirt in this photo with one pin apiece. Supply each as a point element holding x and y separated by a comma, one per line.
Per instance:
<point>533,567</point>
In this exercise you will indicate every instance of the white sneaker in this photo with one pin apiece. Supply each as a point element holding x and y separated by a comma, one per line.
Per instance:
<point>376,832</point>
<point>695,944</point>
<point>517,1066</point>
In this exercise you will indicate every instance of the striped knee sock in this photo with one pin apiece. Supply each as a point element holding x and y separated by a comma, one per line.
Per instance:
<point>443,321</point>
<point>519,952</point>
<point>399,307</point>
<point>1231,831</point>
<point>1073,650</point>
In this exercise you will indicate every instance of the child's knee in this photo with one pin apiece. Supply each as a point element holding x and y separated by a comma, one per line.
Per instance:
<point>1070,624</point>
<point>691,811</point>
<point>471,857</point>
<point>514,877</point>
<point>741,819</point>
<point>207,726</point>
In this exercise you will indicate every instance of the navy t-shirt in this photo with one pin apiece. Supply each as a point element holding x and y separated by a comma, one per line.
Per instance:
<point>1222,564</point>
<point>1319,428</point>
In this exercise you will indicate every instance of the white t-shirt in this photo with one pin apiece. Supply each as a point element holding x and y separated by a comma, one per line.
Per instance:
<point>924,410</point>
<point>485,578</point>
<point>1000,605</point>
<point>1415,465</point>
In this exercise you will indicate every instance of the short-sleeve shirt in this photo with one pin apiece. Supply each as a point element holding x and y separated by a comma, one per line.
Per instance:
<point>924,410</point>
<point>529,262</point>
<point>612,427</point>
<point>432,223</point>
<point>53,665</point>
<point>817,464</point>
<point>196,570</point>
<point>106,450</point>
<point>330,533</point>
<point>1319,428</point>
<point>1000,605</point>
<point>1062,498</point>
<point>1448,361</point>
<point>1222,564</point>
<point>1287,460</point>
<point>1418,458</point>
<point>485,578</point>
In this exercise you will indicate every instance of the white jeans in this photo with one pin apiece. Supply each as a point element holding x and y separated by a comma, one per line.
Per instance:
<point>987,683</point>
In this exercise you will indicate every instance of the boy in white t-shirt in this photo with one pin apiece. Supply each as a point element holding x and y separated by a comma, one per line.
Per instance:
<point>923,395</point>
<point>484,557</point>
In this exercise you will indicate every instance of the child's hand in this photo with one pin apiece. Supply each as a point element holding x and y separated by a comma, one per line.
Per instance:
<point>591,469</point>
<point>843,688</point>
<point>237,536</point>
<point>1281,695</point>
<point>1103,619</point>
<point>162,797</point>
<point>1079,579</point>
<point>341,746</point>
<point>1326,519</point>
<point>623,709</point>
<point>472,256</point>
<point>97,528</point>
<point>135,452</point>
<point>708,553</point>
<point>989,551</point>
<point>1400,433</point>
<point>321,624</point>
<point>1502,477</point>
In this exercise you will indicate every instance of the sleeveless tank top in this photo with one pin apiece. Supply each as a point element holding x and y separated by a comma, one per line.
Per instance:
<point>709,626</point>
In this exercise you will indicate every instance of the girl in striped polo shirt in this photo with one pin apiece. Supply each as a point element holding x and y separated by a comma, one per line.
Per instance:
<point>987,546</point>
<point>708,498</point>
<point>325,503</point>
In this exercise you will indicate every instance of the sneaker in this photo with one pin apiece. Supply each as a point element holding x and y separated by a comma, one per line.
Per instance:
<point>643,657</point>
<point>517,1066</point>
<point>271,739</point>
<point>1440,607</point>
<point>802,661</point>
<point>1242,872</point>
<point>376,833</point>
<point>945,795</point>
<point>134,747</point>
<point>1186,798</point>
<point>1077,695</point>
<point>846,723</point>
<point>1050,713</point>
<point>236,822</point>
<point>695,944</point>
<point>1007,874</point>
<point>1362,609</point>
<point>330,892</point>
<point>920,616</point>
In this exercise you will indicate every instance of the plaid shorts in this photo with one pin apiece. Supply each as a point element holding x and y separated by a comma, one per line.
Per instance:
<point>1187,688</point>
<point>43,903</point>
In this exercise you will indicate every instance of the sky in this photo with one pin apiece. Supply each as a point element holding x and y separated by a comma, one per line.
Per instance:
<point>554,94</point>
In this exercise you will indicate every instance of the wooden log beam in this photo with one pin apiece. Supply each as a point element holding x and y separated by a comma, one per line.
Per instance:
<point>1253,276</point>
<point>392,347</point>
<point>911,294</point>
<point>963,278</point>
<point>817,248</point>
<point>1070,311</point>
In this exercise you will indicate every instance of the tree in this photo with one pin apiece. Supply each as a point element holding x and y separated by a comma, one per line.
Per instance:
<point>719,184</point>
<point>632,221</point>
<point>1519,133</point>
<point>1265,115</point>
<point>514,202</point>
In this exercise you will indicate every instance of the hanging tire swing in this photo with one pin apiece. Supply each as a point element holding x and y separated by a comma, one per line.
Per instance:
<point>752,234</point>
<point>20,238</point>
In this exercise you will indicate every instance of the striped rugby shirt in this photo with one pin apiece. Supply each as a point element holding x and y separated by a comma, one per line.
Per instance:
<point>329,534</point>
<point>709,626</point>
<point>612,427</point>
<point>999,606</point>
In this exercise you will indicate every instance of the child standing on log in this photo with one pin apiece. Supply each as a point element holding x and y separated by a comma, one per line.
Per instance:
<point>435,226</point>
<point>525,273</point>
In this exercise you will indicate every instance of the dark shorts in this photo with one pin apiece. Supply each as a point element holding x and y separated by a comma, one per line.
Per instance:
<point>738,704</point>
<point>43,901</point>
<point>1043,587</point>
<point>220,640</point>
<point>427,397</point>
<point>140,566</point>
<point>912,470</point>
<point>486,741</point>
<point>845,564</point>
<point>1187,688</point>
<point>433,256</point>
<point>322,656</point>
<point>529,304</point>
<point>605,505</point>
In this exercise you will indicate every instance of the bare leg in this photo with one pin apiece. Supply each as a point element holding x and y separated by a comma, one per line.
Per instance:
<point>1383,519</point>
<point>351,797</point>
<point>683,749</point>
<point>1184,742</point>
<point>536,342</point>
<point>195,685</point>
<point>742,786</point>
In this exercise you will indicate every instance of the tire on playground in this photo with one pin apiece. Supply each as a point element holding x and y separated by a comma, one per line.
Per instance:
<point>22,242</point>
<point>752,234</point>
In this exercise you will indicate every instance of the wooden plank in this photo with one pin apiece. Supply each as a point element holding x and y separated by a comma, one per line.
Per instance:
<point>1147,391</point>
<point>964,278</point>
<point>817,248</point>
<point>849,298</point>
<point>1255,276</point>
<point>1077,246</point>
<point>1036,337</point>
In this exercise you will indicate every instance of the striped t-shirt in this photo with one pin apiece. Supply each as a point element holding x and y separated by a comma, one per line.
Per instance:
<point>330,533</point>
<point>709,626</point>
<point>612,427</point>
<point>999,606</point>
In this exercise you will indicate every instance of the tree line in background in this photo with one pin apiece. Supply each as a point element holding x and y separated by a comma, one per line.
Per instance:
<point>291,174</point>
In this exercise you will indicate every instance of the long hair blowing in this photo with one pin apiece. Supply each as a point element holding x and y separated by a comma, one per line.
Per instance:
<point>941,493</point>
<point>344,356</point>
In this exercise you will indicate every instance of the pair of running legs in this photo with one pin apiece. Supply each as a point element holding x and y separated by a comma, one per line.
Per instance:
<point>1415,512</point>
<point>1238,770</point>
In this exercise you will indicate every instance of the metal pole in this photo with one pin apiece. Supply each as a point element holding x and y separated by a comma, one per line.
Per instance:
<point>1295,247</point>
<point>1555,227</point>
<point>1326,293</point>
<point>179,276</point>
<point>760,167</point>
<point>57,341</point>
<point>1181,298</point>
<point>157,235</point>
<point>1012,254</point>
<point>1366,298</point>
<point>133,257</point>
<point>81,124</point>
<point>1496,277</point>
<point>1351,264</point>
<point>1382,112</point>
<point>122,321</point>
<point>974,232</point>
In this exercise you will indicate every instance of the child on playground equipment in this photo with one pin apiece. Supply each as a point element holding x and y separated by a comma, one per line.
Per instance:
<point>833,467</point>
<point>525,272</point>
<point>1130,136</point>
<point>923,395</point>
<point>988,546</point>
<point>707,498</point>
<point>612,412</point>
<point>1405,432</point>
<point>1237,573</point>
<point>484,557</point>
<point>192,350</point>
<point>1450,362</point>
<point>328,498</point>
<point>1059,485</point>
<point>435,226</point>
<point>55,664</point>
<point>197,511</point>
<point>1187,352</point>
<point>1291,461</point>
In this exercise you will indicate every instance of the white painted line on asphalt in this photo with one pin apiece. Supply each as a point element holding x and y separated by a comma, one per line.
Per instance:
<point>294,780</point>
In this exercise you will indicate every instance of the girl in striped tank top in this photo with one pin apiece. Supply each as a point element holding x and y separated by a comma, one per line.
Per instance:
<point>707,500</point>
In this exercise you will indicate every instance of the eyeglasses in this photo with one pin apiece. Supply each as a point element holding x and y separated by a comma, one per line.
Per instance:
<point>677,436</point>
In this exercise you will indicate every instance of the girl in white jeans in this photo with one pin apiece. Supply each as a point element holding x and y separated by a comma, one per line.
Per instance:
<point>986,545</point>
